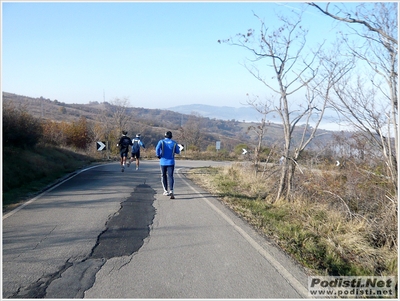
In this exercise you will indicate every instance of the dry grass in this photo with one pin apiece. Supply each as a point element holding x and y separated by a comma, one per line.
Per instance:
<point>323,231</point>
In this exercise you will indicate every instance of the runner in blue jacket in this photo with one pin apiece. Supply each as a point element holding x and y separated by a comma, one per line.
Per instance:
<point>165,151</point>
<point>135,150</point>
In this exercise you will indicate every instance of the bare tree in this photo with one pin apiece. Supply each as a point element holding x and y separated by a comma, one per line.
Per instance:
<point>191,132</point>
<point>119,113</point>
<point>261,129</point>
<point>369,100</point>
<point>293,71</point>
<point>112,121</point>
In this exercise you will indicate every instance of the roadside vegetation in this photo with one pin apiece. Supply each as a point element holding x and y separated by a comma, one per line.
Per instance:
<point>338,223</point>
<point>339,219</point>
<point>30,161</point>
<point>27,172</point>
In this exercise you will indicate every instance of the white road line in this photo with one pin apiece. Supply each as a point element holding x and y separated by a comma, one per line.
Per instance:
<point>280,268</point>
<point>43,193</point>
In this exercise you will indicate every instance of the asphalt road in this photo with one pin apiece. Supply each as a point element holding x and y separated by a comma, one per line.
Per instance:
<point>104,233</point>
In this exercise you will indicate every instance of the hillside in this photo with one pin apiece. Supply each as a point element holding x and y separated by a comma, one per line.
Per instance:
<point>152,123</point>
<point>243,114</point>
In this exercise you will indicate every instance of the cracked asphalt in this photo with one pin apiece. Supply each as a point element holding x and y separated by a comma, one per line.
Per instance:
<point>123,234</point>
<point>104,234</point>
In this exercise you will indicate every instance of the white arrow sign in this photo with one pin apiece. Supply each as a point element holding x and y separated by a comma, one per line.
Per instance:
<point>244,151</point>
<point>180,147</point>
<point>100,145</point>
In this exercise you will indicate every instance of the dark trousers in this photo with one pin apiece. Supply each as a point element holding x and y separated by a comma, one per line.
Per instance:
<point>167,176</point>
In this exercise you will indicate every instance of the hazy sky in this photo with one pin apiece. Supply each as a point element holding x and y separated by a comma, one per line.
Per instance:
<point>157,55</point>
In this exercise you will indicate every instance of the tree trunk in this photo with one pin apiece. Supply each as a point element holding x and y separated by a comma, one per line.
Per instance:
<point>282,181</point>
<point>291,171</point>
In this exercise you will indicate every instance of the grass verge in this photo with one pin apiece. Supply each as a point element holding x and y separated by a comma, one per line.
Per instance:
<point>28,171</point>
<point>323,240</point>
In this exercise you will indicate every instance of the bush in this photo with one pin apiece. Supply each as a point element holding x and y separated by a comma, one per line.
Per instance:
<point>77,134</point>
<point>239,148</point>
<point>20,129</point>
<point>53,133</point>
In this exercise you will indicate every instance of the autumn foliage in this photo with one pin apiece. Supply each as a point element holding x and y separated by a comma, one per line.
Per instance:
<point>20,129</point>
<point>77,134</point>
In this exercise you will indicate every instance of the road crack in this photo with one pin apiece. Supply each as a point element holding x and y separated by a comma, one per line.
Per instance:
<point>44,238</point>
<point>124,234</point>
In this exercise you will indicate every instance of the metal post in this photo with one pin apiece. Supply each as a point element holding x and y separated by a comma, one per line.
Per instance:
<point>108,150</point>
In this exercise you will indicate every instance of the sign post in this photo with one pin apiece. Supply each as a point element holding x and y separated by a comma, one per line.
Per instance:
<point>218,145</point>
<point>108,151</point>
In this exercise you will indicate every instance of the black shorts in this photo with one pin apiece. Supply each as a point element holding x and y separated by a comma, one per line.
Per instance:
<point>136,155</point>
<point>123,152</point>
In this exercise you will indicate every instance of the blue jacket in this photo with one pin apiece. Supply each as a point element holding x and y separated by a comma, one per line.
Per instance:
<point>166,150</point>
<point>135,148</point>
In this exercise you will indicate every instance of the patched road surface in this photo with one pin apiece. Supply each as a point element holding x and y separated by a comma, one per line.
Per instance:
<point>106,234</point>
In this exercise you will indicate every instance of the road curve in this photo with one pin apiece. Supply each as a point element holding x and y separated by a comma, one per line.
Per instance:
<point>107,234</point>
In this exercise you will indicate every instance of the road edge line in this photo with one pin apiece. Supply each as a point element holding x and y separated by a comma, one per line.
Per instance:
<point>46,191</point>
<point>279,268</point>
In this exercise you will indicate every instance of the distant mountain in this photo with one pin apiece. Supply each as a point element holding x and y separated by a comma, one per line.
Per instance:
<point>248,114</point>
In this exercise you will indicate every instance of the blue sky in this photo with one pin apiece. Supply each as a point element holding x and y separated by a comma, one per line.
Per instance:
<point>157,55</point>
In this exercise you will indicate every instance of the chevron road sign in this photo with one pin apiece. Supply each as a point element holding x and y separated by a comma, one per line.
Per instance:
<point>101,145</point>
